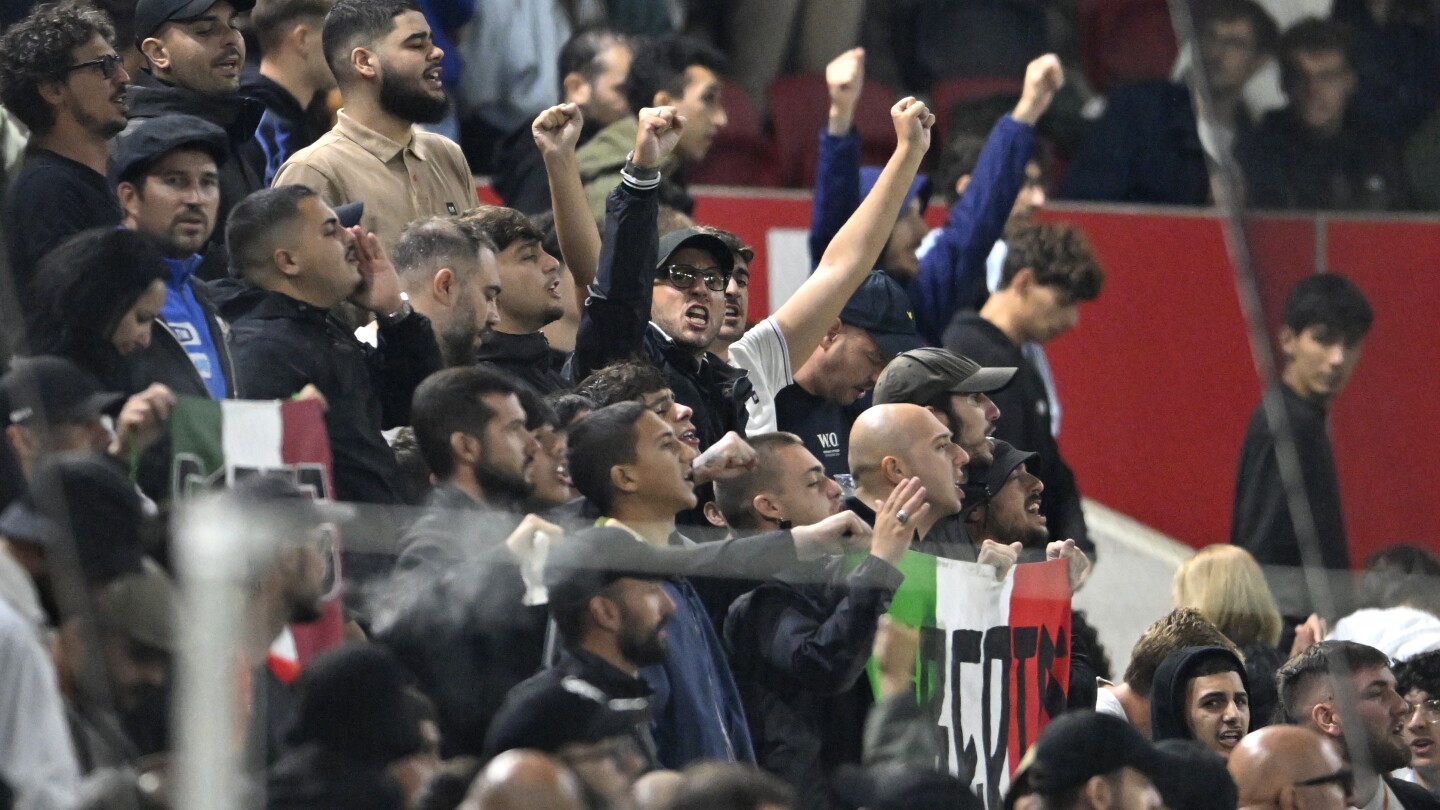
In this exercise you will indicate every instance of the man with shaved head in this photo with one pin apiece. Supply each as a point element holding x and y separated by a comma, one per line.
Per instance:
<point>1291,768</point>
<point>525,780</point>
<point>890,443</point>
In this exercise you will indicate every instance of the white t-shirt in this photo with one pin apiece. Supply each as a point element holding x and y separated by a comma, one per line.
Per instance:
<point>763,352</point>
<point>1106,702</point>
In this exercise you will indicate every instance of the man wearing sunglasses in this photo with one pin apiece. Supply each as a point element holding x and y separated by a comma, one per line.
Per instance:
<point>1334,683</point>
<point>1289,768</point>
<point>664,302</point>
<point>60,76</point>
<point>195,54</point>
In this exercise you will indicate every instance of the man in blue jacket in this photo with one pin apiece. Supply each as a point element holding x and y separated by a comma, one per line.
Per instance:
<point>944,280</point>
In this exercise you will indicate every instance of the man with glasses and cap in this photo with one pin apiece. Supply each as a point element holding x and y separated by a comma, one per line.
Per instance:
<point>662,301</point>
<point>61,77</point>
<point>195,55</point>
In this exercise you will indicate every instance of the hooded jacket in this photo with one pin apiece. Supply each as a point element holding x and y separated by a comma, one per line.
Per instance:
<point>1167,697</point>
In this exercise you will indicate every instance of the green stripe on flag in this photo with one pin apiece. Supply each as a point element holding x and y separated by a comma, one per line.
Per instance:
<point>197,446</point>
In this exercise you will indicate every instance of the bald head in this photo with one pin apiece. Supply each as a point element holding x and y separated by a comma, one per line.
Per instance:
<point>524,780</point>
<point>890,443</point>
<point>887,430</point>
<point>1268,763</point>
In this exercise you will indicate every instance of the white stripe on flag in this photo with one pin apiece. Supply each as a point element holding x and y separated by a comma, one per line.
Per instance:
<point>252,433</point>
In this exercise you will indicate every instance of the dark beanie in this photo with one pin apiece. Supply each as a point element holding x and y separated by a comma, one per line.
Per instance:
<point>351,700</point>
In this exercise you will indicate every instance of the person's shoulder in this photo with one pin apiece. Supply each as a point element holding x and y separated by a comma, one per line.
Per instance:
<point>1411,795</point>
<point>605,153</point>
<point>327,150</point>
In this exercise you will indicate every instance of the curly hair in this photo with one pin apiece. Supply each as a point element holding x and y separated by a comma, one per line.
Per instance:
<point>37,50</point>
<point>1421,672</point>
<point>1058,254</point>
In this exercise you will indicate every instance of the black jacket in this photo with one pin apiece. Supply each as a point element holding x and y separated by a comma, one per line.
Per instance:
<point>166,361</point>
<point>149,97</point>
<point>616,322</point>
<point>280,345</point>
<point>1025,422</point>
<point>798,650</point>
<point>50,199</point>
<point>1168,698</point>
<point>528,358</point>
<point>1411,795</point>
<point>311,777</point>
<point>283,128</point>
<point>527,719</point>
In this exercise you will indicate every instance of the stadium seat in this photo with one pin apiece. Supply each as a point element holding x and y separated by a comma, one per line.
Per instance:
<point>799,106</point>
<point>1124,41</point>
<point>741,154</point>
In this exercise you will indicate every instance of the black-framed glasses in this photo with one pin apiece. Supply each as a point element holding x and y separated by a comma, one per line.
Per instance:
<point>682,276</point>
<point>1342,777</point>
<point>109,65</point>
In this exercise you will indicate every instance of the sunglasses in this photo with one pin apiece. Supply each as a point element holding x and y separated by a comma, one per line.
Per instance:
<point>109,65</point>
<point>1343,778</point>
<point>682,276</point>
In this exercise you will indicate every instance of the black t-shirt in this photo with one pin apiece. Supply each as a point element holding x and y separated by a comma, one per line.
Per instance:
<point>823,425</point>
<point>51,199</point>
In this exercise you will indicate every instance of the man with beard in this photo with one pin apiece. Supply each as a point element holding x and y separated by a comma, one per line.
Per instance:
<point>298,262</point>
<point>166,174</point>
<point>610,608</point>
<point>61,77</point>
<point>956,389</point>
<point>1335,683</point>
<point>530,277</point>
<point>471,429</point>
<point>195,55</point>
<point>388,68</point>
<point>1002,502</point>
<point>448,269</point>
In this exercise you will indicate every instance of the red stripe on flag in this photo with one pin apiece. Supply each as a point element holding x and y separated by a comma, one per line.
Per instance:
<point>1040,632</point>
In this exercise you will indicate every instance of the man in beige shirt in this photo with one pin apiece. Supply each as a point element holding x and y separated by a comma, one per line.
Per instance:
<point>388,70</point>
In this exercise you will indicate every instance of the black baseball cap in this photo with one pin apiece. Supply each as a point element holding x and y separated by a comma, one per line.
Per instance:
<point>547,716</point>
<point>899,787</point>
<point>919,375</point>
<point>151,14</point>
<point>696,238</point>
<point>53,389</point>
<point>592,559</point>
<point>882,309</point>
<point>986,483</point>
<point>350,213</point>
<point>135,151</point>
<point>1202,783</point>
<point>1079,745</point>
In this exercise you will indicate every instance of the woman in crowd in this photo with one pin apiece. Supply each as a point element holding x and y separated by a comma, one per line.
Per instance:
<point>96,300</point>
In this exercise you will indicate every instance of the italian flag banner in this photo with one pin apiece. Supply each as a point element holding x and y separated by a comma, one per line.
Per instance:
<point>994,659</point>
<point>214,444</point>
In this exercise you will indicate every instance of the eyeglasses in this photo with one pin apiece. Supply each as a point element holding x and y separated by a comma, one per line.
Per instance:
<point>1429,709</point>
<point>109,65</point>
<point>682,276</point>
<point>1343,778</point>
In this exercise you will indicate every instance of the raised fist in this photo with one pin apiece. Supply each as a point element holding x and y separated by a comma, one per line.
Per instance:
<point>659,131</point>
<point>557,129</point>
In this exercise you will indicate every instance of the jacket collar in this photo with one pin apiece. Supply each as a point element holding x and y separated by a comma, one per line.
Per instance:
<point>182,270</point>
<point>504,346</point>
<point>591,667</point>
<point>373,142</point>
<point>151,97</point>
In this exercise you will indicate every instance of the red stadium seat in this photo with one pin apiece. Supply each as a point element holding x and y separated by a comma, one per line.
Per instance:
<point>799,106</point>
<point>950,92</point>
<point>1124,41</point>
<point>741,154</point>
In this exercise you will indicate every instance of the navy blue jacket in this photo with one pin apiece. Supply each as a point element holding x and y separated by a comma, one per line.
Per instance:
<point>1144,149</point>
<point>952,271</point>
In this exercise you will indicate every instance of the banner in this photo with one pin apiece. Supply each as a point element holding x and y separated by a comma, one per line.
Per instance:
<point>214,444</point>
<point>994,659</point>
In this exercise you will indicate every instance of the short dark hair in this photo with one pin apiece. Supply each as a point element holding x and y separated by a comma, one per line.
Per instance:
<point>1420,672</point>
<point>736,245</point>
<point>428,244</point>
<point>503,226</point>
<point>1058,254</point>
<point>274,19</point>
<point>1308,36</point>
<point>567,406</point>
<point>734,497</point>
<point>357,23</point>
<point>1295,677</point>
<point>730,786</point>
<point>625,381</point>
<point>1212,12</point>
<point>538,412</point>
<point>449,402</point>
<point>250,228</point>
<point>660,64</point>
<point>599,442</point>
<point>544,222</point>
<point>1401,575</point>
<point>1332,302</point>
<point>37,50</point>
<point>1176,630</point>
<point>960,157</point>
<point>582,53</point>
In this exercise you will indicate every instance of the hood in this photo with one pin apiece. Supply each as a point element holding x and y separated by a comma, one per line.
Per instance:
<point>1167,696</point>
<point>149,97</point>
<point>233,297</point>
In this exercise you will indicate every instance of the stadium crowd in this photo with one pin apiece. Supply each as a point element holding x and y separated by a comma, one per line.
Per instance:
<point>604,543</point>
